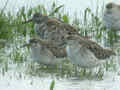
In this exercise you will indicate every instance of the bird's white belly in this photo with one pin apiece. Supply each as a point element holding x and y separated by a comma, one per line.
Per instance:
<point>108,20</point>
<point>38,57</point>
<point>42,57</point>
<point>82,57</point>
<point>35,54</point>
<point>73,55</point>
<point>112,20</point>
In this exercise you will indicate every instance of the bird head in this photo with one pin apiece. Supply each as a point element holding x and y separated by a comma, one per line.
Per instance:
<point>112,7</point>
<point>37,18</point>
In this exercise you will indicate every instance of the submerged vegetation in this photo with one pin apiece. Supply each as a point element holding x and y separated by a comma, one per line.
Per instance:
<point>15,33</point>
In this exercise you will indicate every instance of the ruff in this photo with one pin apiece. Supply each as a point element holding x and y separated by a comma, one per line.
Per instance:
<point>43,51</point>
<point>86,53</point>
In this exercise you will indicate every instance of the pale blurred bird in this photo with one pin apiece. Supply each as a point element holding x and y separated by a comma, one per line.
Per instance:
<point>86,53</point>
<point>48,28</point>
<point>43,51</point>
<point>111,16</point>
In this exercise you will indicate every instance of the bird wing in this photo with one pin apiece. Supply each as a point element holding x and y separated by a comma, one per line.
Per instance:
<point>59,25</point>
<point>58,51</point>
<point>95,48</point>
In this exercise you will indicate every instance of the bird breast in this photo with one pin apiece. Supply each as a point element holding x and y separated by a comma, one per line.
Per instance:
<point>40,29</point>
<point>82,56</point>
<point>112,19</point>
<point>35,53</point>
<point>42,56</point>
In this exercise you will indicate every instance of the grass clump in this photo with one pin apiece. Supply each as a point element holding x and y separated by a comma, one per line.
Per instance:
<point>52,85</point>
<point>5,29</point>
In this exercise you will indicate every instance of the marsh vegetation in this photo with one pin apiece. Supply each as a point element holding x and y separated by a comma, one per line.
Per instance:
<point>17,60</point>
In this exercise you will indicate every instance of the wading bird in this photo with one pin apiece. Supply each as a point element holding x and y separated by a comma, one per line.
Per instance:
<point>48,28</point>
<point>111,18</point>
<point>86,53</point>
<point>43,51</point>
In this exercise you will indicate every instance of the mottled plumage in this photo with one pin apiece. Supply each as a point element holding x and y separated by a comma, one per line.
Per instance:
<point>86,53</point>
<point>52,29</point>
<point>43,51</point>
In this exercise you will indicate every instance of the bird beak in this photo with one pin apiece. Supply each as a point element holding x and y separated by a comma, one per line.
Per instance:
<point>30,20</point>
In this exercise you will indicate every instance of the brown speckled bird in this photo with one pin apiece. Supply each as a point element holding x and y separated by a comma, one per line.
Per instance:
<point>44,51</point>
<point>52,29</point>
<point>86,53</point>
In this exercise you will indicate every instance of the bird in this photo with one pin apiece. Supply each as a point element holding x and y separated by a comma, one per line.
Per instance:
<point>111,20</point>
<point>48,28</point>
<point>111,16</point>
<point>43,51</point>
<point>86,53</point>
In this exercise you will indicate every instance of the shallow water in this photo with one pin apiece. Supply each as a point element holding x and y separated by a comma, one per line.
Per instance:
<point>11,81</point>
<point>20,77</point>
